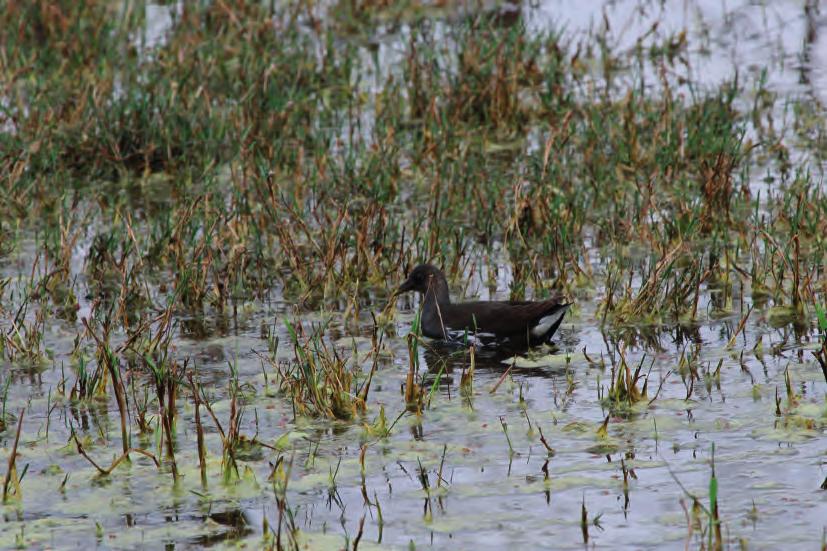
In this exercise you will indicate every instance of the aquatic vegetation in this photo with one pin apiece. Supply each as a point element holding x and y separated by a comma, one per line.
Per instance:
<point>319,381</point>
<point>623,391</point>
<point>205,208</point>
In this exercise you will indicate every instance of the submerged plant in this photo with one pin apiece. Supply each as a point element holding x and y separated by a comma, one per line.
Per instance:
<point>174,175</point>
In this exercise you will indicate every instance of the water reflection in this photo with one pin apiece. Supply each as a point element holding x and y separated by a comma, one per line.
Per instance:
<point>770,344</point>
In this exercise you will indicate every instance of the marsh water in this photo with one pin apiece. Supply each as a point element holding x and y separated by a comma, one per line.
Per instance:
<point>470,471</point>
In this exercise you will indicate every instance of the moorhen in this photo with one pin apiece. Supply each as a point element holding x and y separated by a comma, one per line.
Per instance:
<point>512,323</point>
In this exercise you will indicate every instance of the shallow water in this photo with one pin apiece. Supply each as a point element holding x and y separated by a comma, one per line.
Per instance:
<point>496,489</point>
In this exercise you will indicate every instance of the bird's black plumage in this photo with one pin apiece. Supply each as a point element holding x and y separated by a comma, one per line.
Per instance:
<point>517,323</point>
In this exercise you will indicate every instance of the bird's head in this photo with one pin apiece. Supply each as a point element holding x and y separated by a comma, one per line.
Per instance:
<point>421,278</point>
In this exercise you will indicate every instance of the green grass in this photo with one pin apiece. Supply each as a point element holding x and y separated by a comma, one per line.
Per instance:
<point>147,192</point>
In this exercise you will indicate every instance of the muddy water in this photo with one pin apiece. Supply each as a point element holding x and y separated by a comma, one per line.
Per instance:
<point>496,488</point>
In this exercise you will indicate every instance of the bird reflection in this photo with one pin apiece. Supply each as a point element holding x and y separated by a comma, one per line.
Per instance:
<point>444,359</point>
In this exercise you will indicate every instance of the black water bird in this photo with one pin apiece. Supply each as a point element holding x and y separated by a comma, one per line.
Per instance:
<point>511,323</point>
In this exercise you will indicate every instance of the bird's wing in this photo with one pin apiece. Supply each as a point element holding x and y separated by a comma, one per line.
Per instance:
<point>499,318</point>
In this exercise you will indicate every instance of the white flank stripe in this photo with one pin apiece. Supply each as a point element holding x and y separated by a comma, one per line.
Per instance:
<point>458,335</point>
<point>547,322</point>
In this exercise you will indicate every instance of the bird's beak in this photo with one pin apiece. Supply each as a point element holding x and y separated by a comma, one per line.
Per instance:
<point>405,287</point>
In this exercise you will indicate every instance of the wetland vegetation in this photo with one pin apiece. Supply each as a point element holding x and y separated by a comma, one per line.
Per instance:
<point>205,208</point>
